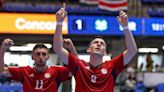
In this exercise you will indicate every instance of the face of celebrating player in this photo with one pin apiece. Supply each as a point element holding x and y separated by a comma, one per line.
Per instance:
<point>40,56</point>
<point>97,46</point>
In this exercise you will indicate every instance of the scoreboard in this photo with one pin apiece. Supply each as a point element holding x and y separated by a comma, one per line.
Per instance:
<point>154,26</point>
<point>31,23</point>
<point>102,25</point>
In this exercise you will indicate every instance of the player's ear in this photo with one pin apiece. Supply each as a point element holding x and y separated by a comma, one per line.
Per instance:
<point>48,56</point>
<point>105,53</point>
<point>32,57</point>
<point>88,50</point>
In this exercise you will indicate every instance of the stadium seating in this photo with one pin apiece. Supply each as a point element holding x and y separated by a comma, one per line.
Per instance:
<point>155,12</point>
<point>51,8</point>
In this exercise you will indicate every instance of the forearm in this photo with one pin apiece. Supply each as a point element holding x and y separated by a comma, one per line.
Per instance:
<point>73,51</point>
<point>4,46</point>
<point>58,38</point>
<point>1,59</point>
<point>130,42</point>
<point>58,45</point>
<point>131,48</point>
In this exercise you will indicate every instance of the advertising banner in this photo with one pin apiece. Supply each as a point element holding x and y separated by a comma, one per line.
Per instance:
<point>25,23</point>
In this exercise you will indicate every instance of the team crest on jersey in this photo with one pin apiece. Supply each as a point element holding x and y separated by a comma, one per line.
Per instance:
<point>87,67</point>
<point>104,71</point>
<point>47,75</point>
<point>31,75</point>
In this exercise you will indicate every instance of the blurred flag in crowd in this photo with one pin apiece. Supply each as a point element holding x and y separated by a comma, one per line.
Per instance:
<point>110,5</point>
<point>113,5</point>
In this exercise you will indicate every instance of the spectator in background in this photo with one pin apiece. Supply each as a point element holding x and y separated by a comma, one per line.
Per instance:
<point>130,82</point>
<point>141,67</point>
<point>149,65</point>
<point>162,65</point>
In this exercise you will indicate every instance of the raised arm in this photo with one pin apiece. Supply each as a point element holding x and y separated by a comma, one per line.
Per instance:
<point>58,38</point>
<point>4,46</point>
<point>68,44</point>
<point>131,48</point>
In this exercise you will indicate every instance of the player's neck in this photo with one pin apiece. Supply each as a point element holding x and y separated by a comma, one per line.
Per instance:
<point>40,70</point>
<point>96,60</point>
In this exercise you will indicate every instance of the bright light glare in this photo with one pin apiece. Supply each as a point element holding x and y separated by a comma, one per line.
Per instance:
<point>27,47</point>
<point>147,50</point>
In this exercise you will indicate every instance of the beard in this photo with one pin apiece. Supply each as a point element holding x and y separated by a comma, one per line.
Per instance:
<point>40,64</point>
<point>98,52</point>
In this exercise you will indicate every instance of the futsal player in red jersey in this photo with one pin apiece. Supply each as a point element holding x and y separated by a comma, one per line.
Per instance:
<point>39,78</point>
<point>95,76</point>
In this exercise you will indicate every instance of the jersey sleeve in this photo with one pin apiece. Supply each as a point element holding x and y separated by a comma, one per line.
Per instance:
<point>118,63</point>
<point>16,73</point>
<point>63,74</point>
<point>73,63</point>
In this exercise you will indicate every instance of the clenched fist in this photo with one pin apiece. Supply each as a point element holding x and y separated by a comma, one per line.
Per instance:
<point>122,19</point>
<point>7,43</point>
<point>68,44</point>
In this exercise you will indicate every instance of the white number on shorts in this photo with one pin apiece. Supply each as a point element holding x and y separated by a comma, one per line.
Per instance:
<point>39,84</point>
<point>93,78</point>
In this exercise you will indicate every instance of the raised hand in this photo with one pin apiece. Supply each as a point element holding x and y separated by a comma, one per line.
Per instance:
<point>68,44</point>
<point>122,19</point>
<point>7,43</point>
<point>61,14</point>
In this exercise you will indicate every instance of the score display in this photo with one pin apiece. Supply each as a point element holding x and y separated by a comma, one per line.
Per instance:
<point>154,26</point>
<point>78,24</point>
<point>102,25</point>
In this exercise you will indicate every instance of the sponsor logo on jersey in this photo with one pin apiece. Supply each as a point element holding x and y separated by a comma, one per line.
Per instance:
<point>31,75</point>
<point>87,67</point>
<point>104,71</point>
<point>47,75</point>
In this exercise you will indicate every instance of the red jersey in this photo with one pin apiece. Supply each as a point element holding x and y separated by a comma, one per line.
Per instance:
<point>48,81</point>
<point>95,79</point>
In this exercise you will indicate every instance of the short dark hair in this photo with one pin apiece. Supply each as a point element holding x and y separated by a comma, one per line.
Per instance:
<point>95,37</point>
<point>40,45</point>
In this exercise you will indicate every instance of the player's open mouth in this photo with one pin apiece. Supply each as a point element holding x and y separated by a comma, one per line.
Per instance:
<point>40,65</point>
<point>98,49</point>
